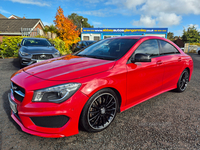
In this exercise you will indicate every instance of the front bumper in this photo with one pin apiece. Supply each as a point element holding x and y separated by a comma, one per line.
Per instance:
<point>26,110</point>
<point>28,60</point>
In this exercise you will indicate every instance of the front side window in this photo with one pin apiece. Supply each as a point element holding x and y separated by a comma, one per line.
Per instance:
<point>148,47</point>
<point>167,48</point>
<point>111,49</point>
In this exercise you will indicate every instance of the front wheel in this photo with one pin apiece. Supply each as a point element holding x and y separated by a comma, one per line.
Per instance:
<point>183,81</point>
<point>199,52</point>
<point>99,111</point>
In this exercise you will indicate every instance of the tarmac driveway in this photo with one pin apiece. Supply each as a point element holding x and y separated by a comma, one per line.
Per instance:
<point>168,121</point>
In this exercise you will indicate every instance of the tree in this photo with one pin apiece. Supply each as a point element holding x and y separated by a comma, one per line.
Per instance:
<point>191,35</point>
<point>66,29</point>
<point>51,29</point>
<point>78,19</point>
<point>170,36</point>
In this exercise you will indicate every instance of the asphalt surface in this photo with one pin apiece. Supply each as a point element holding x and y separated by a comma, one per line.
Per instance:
<point>168,121</point>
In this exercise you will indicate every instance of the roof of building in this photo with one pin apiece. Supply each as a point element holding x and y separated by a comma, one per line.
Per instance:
<point>15,25</point>
<point>14,16</point>
<point>2,16</point>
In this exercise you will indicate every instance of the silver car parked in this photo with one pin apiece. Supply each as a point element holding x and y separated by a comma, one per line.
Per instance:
<point>33,50</point>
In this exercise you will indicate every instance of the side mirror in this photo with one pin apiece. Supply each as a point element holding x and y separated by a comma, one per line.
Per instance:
<point>18,44</point>
<point>53,45</point>
<point>141,58</point>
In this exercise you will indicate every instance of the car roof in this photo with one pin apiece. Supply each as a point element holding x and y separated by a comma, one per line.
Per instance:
<point>138,37</point>
<point>88,41</point>
<point>36,38</point>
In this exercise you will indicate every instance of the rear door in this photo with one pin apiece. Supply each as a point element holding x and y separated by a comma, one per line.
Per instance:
<point>173,63</point>
<point>144,79</point>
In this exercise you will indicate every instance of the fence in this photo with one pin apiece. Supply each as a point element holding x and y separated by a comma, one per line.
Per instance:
<point>190,48</point>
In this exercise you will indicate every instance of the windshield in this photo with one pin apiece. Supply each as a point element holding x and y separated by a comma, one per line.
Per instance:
<point>90,42</point>
<point>110,49</point>
<point>36,42</point>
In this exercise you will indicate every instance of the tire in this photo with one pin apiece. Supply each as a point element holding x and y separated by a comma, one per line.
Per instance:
<point>183,81</point>
<point>199,52</point>
<point>99,111</point>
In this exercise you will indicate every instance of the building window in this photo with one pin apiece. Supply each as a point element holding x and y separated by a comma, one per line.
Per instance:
<point>96,38</point>
<point>85,38</point>
<point>105,37</point>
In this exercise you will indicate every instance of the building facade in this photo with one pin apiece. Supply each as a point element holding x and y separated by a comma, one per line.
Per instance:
<point>103,33</point>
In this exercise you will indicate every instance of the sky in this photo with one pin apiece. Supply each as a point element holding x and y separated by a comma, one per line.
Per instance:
<point>172,14</point>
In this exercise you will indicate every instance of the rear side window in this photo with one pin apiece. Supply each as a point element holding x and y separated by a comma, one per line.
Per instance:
<point>148,47</point>
<point>167,48</point>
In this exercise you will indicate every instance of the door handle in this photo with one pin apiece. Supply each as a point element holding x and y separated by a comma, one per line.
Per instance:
<point>159,62</point>
<point>179,59</point>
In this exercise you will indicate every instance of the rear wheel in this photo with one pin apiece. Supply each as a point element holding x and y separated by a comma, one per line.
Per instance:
<point>199,52</point>
<point>183,81</point>
<point>99,111</point>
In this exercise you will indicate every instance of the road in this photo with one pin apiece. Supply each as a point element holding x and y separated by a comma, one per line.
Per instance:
<point>168,121</point>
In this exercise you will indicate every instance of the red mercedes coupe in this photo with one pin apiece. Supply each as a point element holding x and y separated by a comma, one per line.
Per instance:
<point>55,97</point>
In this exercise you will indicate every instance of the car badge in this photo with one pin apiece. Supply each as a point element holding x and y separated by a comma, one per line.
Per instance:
<point>14,87</point>
<point>43,56</point>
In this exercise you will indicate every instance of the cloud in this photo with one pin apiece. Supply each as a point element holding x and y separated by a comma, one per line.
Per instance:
<point>4,11</point>
<point>47,23</point>
<point>32,2</point>
<point>195,25</point>
<point>93,1</point>
<point>95,23</point>
<point>158,12</point>
<point>145,21</point>
<point>98,13</point>
<point>152,12</point>
<point>168,19</point>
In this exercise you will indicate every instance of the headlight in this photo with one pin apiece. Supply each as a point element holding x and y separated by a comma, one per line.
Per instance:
<point>56,94</point>
<point>57,53</point>
<point>24,54</point>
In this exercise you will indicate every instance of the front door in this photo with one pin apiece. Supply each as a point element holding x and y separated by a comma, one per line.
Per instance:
<point>144,79</point>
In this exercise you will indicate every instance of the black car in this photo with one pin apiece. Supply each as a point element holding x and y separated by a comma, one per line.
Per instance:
<point>33,50</point>
<point>83,44</point>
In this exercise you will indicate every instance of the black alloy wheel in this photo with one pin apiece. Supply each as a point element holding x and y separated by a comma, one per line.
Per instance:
<point>183,81</point>
<point>99,111</point>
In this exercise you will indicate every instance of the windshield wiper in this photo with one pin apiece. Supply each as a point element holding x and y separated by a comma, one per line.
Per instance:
<point>98,57</point>
<point>82,55</point>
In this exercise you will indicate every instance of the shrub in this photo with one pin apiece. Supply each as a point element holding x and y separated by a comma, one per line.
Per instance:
<point>198,44</point>
<point>9,46</point>
<point>60,45</point>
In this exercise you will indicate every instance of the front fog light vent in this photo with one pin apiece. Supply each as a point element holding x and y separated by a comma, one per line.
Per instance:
<point>50,121</point>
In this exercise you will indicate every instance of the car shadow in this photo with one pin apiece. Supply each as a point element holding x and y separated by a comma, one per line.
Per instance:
<point>15,63</point>
<point>6,107</point>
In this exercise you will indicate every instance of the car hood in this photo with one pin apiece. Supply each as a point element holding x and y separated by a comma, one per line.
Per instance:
<point>38,49</point>
<point>68,68</point>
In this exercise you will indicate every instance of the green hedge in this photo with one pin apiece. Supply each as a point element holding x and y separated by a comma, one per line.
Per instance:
<point>198,44</point>
<point>60,45</point>
<point>9,46</point>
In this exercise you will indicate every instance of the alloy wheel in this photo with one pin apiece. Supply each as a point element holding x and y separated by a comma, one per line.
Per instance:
<point>102,111</point>
<point>184,80</point>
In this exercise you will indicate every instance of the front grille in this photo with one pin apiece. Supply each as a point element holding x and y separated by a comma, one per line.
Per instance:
<point>18,92</point>
<point>50,121</point>
<point>42,56</point>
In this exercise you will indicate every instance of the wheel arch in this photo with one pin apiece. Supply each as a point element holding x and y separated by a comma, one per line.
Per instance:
<point>188,69</point>
<point>119,102</point>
